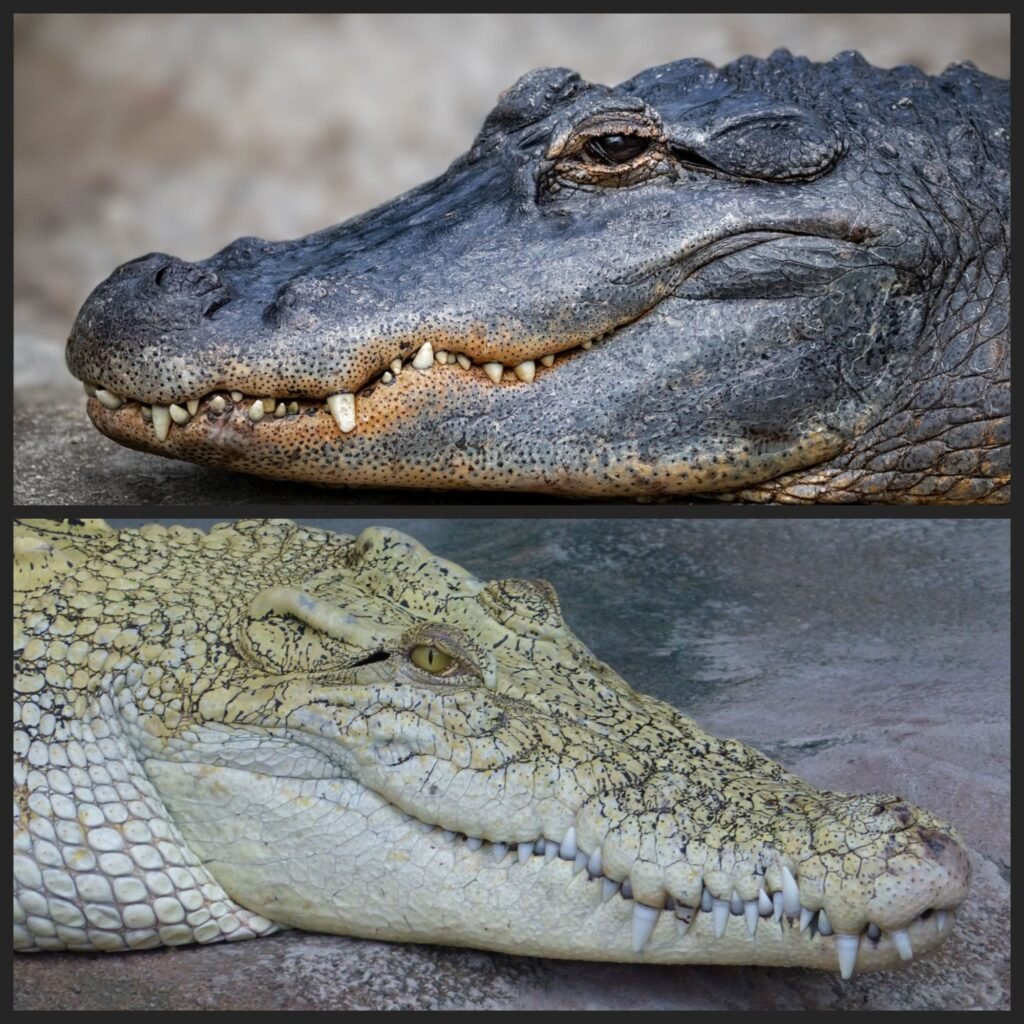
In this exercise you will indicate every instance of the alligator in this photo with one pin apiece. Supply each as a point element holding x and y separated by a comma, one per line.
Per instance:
<point>771,281</point>
<point>267,725</point>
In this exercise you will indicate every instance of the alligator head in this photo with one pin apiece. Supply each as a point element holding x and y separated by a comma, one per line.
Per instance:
<point>700,281</point>
<point>354,736</point>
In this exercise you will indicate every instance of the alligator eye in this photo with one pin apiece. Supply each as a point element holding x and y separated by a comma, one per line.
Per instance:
<point>430,659</point>
<point>616,149</point>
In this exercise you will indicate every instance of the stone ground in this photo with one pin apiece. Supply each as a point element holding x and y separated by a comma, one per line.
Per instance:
<point>866,655</point>
<point>136,133</point>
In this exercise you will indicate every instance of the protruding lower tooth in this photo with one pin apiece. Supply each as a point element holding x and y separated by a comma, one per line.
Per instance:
<point>343,409</point>
<point>550,850</point>
<point>424,359</point>
<point>750,916</point>
<point>644,920</point>
<point>594,864</point>
<point>608,889</point>
<point>874,932</point>
<point>524,852</point>
<point>579,862</point>
<point>499,850</point>
<point>178,414</point>
<point>474,843</point>
<point>706,901</point>
<point>256,410</point>
<point>236,396</point>
<point>218,404</point>
<point>567,849</point>
<point>547,360</point>
<point>193,406</point>
<point>846,947</point>
<point>790,893</point>
<point>441,357</point>
<point>824,924</point>
<point>494,371</point>
<point>735,904</point>
<point>806,916</point>
<point>89,389</point>
<point>684,918</point>
<point>463,360</point>
<point>587,345</point>
<point>719,915</point>
<point>776,906</point>
<point>901,940</point>
<point>147,413</point>
<point>161,422</point>
<point>108,399</point>
<point>525,370</point>
<point>281,411</point>
<point>941,918</point>
<point>764,903</point>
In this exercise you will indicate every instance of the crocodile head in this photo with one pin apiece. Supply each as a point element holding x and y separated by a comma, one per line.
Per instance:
<point>776,279</point>
<point>355,736</point>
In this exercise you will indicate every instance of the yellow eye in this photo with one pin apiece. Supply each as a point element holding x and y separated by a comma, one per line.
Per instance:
<point>430,659</point>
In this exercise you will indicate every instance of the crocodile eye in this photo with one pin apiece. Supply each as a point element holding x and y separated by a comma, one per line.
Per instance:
<point>430,659</point>
<point>616,149</point>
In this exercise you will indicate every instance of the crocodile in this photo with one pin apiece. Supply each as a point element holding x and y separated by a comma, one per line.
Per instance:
<point>771,281</point>
<point>267,725</point>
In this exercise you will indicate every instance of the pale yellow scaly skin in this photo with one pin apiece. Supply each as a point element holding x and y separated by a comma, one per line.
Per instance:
<point>217,734</point>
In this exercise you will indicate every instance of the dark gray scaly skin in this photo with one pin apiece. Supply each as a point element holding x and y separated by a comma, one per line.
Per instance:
<point>773,281</point>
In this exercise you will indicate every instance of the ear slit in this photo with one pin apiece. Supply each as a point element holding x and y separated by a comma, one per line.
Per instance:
<point>688,156</point>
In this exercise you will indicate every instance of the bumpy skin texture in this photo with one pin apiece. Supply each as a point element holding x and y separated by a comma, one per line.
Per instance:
<point>772,281</point>
<point>272,725</point>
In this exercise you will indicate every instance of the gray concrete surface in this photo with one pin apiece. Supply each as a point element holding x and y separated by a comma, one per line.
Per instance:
<point>863,654</point>
<point>179,133</point>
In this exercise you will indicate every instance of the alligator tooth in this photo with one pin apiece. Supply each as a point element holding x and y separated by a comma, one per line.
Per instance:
<point>874,932</point>
<point>764,903</point>
<point>720,915</point>
<point>463,360</point>
<point>735,904</point>
<point>824,924</point>
<point>706,900</point>
<point>524,851</point>
<point>526,370</point>
<point>161,422</point>
<point>474,843</point>
<point>281,411</point>
<point>193,406</point>
<point>901,940</point>
<point>627,889</point>
<point>343,409</point>
<point>147,413</point>
<point>567,849</point>
<point>499,850</point>
<point>396,366</point>
<point>941,917</point>
<point>89,389</point>
<point>218,404</point>
<point>644,920</point>
<point>441,357</point>
<point>236,396</point>
<point>594,864</point>
<point>608,889</point>
<point>424,359</point>
<point>108,399</point>
<point>790,893</point>
<point>587,345</point>
<point>750,914</point>
<point>293,408</point>
<point>256,410</point>
<point>179,415</point>
<point>494,371</point>
<point>806,916</point>
<point>579,862</point>
<point>846,948</point>
<point>387,377</point>
<point>547,360</point>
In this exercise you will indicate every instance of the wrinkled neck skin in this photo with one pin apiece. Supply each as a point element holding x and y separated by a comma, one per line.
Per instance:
<point>523,798</point>
<point>796,292</point>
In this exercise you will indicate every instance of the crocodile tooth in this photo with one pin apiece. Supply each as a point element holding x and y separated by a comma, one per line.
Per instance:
<point>706,900</point>
<point>806,916</point>
<point>608,889</point>
<point>161,422</point>
<point>941,917</point>
<point>684,918</point>
<point>147,413</point>
<point>499,850</point>
<point>735,904</point>
<point>424,359</point>
<point>874,932</point>
<point>236,396</point>
<point>550,850</point>
<point>178,414</point>
<point>720,915</point>
<point>579,862</point>
<point>193,406</point>
<point>790,893</point>
<point>463,360</point>
<point>594,865</point>
<point>538,847</point>
<point>256,410</point>
<point>109,399</point>
<point>524,851</point>
<point>644,920</point>
<point>567,848</point>
<point>901,940</point>
<point>441,357</point>
<point>751,916</point>
<point>281,411</point>
<point>846,948</point>
<point>547,360</point>
<point>494,371</point>
<point>218,404</point>
<point>776,906</point>
<point>627,889</point>
<point>474,843</point>
<point>343,409</point>
<point>525,370</point>
<point>764,903</point>
<point>824,924</point>
<point>447,834</point>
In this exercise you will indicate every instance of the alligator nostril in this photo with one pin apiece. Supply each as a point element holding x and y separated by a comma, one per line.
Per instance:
<point>161,275</point>
<point>219,303</point>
